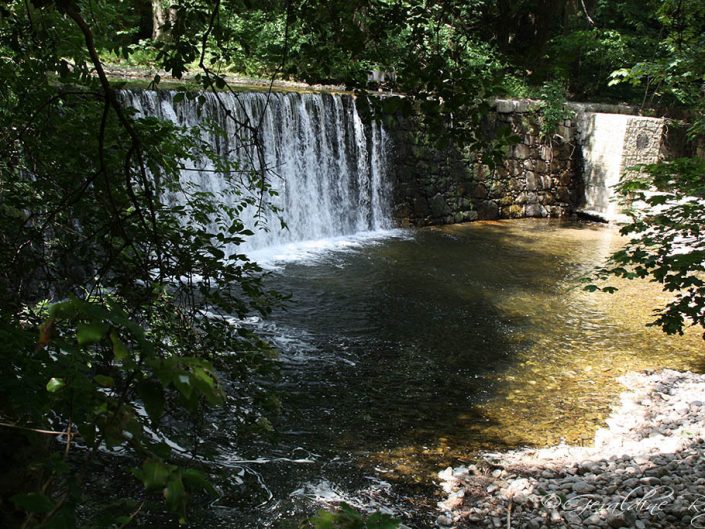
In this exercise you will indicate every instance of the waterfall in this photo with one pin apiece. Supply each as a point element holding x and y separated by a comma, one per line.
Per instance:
<point>610,144</point>
<point>327,167</point>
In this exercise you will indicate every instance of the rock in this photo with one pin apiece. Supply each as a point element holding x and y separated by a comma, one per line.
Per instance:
<point>583,487</point>
<point>446,474</point>
<point>593,519</point>
<point>572,518</point>
<point>520,499</point>
<point>444,521</point>
<point>624,461</point>
<point>532,182</point>
<point>504,106</point>
<point>439,206</point>
<point>535,210</point>
<point>630,483</point>
<point>487,210</point>
<point>621,519</point>
<point>521,151</point>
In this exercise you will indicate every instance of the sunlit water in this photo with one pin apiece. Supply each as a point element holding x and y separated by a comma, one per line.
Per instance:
<point>407,354</point>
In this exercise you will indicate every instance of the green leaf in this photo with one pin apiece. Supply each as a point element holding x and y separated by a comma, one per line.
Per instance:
<point>120,351</point>
<point>182,382</point>
<point>152,394</point>
<point>54,385</point>
<point>206,385</point>
<point>175,494</point>
<point>382,521</point>
<point>34,502</point>
<point>323,520</point>
<point>197,480</point>
<point>89,333</point>
<point>154,474</point>
<point>104,381</point>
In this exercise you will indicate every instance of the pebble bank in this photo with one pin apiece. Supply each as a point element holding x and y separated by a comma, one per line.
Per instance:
<point>646,469</point>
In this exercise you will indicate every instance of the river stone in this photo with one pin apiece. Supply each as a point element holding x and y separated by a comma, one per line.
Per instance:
<point>621,519</point>
<point>582,487</point>
<point>572,518</point>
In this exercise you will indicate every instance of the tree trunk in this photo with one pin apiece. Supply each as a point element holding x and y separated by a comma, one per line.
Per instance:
<point>163,18</point>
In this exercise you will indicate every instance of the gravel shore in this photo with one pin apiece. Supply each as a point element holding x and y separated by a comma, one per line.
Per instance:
<point>646,469</point>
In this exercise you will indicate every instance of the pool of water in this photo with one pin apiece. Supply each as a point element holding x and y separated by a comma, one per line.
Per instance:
<point>414,352</point>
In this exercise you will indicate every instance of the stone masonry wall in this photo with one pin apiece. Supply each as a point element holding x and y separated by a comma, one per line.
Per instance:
<point>441,186</point>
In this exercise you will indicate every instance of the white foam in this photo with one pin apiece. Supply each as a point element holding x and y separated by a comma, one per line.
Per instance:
<point>313,251</point>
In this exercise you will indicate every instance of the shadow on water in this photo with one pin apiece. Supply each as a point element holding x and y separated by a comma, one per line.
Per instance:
<point>402,357</point>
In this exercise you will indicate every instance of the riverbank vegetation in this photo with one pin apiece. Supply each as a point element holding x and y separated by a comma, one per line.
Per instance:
<point>115,321</point>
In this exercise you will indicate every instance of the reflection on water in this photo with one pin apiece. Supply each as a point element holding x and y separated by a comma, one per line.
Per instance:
<point>403,357</point>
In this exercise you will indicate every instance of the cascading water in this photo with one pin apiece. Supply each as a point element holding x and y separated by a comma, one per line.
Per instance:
<point>602,145</point>
<point>610,145</point>
<point>327,168</point>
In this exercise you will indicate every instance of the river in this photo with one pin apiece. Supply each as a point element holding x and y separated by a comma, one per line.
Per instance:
<point>416,350</point>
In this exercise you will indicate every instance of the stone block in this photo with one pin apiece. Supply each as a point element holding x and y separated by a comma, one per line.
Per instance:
<point>501,172</point>
<point>541,166</point>
<point>565,132</point>
<point>513,212</point>
<point>532,181</point>
<point>521,151</point>
<point>517,184</point>
<point>563,194</point>
<point>516,168</point>
<point>420,206</point>
<point>479,191</point>
<point>504,106</point>
<point>470,215</point>
<point>535,210</point>
<point>557,212</point>
<point>556,166</point>
<point>546,152</point>
<point>487,210</point>
<point>439,206</point>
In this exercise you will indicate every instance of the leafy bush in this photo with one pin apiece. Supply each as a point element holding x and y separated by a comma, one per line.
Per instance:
<point>113,300</point>
<point>553,109</point>
<point>666,240</point>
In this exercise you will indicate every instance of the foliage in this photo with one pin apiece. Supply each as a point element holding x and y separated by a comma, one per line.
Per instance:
<point>666,239</point>
<point>674,70</point>
<point>587,57</point>
<point>114,299</point>
<point>665,243</point>
<point>347,517</point>
<point>553,109</point>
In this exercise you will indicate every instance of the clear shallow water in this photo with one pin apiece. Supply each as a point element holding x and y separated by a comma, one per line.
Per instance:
<point>415,352</point>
